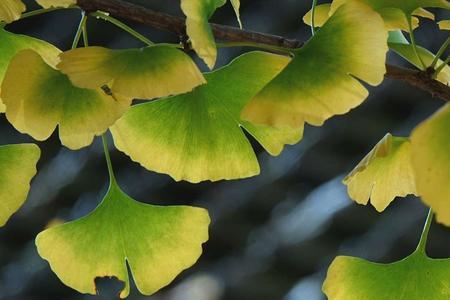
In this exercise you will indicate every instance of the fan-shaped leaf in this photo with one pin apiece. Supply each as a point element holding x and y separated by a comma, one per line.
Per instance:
<point>11,43</point>
<point>17,168</point>
<point>147,73</point>
<point>197,136</point>
<point>56,3</point>
<point>11,10</point>
<point>431,162</point>
<point>319,82</point>
<point>384,174</point>
<point>415,278</point>
<point>444,25</point>
<point>397,13</point>
<point>38,98</point>
<point>156,242</point>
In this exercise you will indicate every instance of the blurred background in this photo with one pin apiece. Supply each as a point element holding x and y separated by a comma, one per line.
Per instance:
<point>272,236</point>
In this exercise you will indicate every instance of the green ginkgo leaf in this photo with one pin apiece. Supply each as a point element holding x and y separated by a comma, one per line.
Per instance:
<point>146,73</point>
<point>385,173</point>
<point>17,168</point>
<point>38,98</point>
<point>197,136</point>
<point>198,13</point>
<point>157,243</point>
<point>56,3</point>
<point>417,277</point>
<point>431,162</point>
<point>11,10</point>
<point>11,43</point>
<point>400,45</point>
<point>321,15</point>
<point>322,79</point>
<point>444,25</point>
<point>396,14</point>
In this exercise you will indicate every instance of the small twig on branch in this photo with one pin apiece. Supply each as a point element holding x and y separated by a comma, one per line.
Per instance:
<point>176,25</point>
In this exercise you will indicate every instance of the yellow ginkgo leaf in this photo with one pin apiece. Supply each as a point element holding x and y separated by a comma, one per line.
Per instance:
<point>322,79</point>
<point>385,173</point>
<point>236,6</point>
<point>56,3</point>
<point>321,15</point>
<point>11,10</point>
<point>431,162</point>
<point>421,12</point>
<point>444,25</point>
<point>17,168</point>
<point>146,73</point>
<point>38,98</point>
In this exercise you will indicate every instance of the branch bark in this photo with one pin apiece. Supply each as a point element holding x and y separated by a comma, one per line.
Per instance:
<point>176,25</point>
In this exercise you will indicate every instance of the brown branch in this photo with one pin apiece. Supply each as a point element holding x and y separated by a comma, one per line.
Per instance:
<point>174,24</point>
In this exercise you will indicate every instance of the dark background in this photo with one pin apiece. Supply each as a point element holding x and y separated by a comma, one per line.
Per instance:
<point>272,236</point>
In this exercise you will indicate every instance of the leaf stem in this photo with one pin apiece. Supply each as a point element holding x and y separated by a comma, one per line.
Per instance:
<point>440,52</point>
<point>413,43</point>
<point>122,26</point>
<point>441,67</point>
<point>313,13</point>
<point>421,248</point>
<point>112,178</point>
<point>40,12</point>
<point>82,25</point>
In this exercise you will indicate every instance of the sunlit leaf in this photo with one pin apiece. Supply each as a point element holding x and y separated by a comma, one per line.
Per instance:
<point>56,3</point>
<point>421,12</point>
<point>197,14</point>
<point>198,136</point>
<point>397,13</point>
<point>431,162</point>
<point>146,73</point>
<point>11,10</point>
<point>385,173</point>
<point>322,79</point>
<point>38,98</point>
<point>11,43</point>
<point>415,278</point>
<point>17,168</point>
<point>444,25</point>
<point>321,15</point>
<point>157,243</point>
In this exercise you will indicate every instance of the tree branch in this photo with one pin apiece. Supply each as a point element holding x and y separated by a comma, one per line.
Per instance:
<point>174,24</point>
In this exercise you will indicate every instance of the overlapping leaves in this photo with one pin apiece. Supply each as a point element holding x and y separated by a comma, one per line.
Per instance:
<point>17,168</point>
<point>197,136</point>
<point>146,73</point>
<point>38,98</point>
<point>320,80</point>
<point>156,242</point>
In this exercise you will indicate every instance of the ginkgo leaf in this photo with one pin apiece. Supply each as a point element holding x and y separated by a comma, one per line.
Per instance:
<point>198,29</point>
<point>11,43</point>
<point>421,12</point>
<point>431,162</point>
<point>38,98</point>
<point>405,50</point>
<point>322,79</point>
<point>17,168</point>
<point>56,3</point>
<point>156,242</point>
<point>321,15</point>
<point>146,73</point>
<point>444,25</point>
<point>385,173</point>
<point>197,136</point>
<point>11,10</point>
<point>236,6</point>
<point>397,13</point>
<point>417,277</point>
